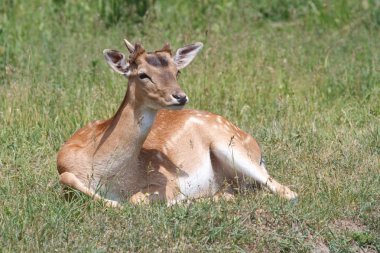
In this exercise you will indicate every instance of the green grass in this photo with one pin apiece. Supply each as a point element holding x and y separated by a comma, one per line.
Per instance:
<point>303,77</point>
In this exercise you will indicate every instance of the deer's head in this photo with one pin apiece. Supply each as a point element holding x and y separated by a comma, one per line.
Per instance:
<point>154,74</point>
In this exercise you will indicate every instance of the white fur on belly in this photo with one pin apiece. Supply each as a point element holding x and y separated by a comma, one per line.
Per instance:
<point>198,182</point>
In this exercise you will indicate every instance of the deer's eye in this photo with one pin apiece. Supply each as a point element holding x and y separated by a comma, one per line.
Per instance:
<point>143,76</point>
<point>178,74</point>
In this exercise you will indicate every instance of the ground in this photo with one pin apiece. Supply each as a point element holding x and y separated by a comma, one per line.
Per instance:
<point>302,77</point>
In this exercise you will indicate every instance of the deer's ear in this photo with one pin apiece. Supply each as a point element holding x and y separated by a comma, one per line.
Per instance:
<point>117,61</point>
<point>186,54</point>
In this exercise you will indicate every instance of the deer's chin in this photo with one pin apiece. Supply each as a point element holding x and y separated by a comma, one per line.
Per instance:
<point>175,107</point>
<point>168,106</point>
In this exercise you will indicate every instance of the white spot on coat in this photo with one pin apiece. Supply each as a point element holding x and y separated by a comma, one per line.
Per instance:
<point>196,121</point>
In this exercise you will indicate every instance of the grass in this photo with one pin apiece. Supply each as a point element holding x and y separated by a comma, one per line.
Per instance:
<point>302,77</point>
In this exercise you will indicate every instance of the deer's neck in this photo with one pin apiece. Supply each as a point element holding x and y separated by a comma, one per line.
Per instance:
<point>123,139</point>
<point>133,119</point>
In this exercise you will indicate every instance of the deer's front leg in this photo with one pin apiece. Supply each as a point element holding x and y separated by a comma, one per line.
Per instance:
<point>70,180</point>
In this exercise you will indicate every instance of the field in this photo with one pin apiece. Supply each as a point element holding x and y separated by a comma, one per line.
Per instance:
<point>303,77</point>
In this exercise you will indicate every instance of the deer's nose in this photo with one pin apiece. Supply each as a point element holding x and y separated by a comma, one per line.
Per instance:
<point>180,97</point>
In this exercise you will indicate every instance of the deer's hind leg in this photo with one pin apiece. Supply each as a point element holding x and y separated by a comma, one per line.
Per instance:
<point>240,157</point>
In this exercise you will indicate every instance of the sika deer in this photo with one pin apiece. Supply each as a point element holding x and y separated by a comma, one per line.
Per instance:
<point>144,153</point>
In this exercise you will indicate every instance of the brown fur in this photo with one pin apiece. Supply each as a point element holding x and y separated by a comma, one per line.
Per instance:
<point>143,154</point>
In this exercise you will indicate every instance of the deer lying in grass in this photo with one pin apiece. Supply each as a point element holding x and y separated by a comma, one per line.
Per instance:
<point>144,153</point>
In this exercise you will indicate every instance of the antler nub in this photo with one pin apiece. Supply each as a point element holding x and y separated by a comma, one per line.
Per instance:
<point>165,48</point>
<point>138,50</point>
<point>129,46</point>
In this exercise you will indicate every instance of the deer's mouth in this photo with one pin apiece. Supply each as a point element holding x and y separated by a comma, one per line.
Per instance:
<point>178,102</point>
